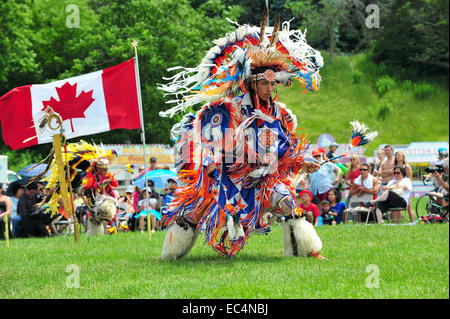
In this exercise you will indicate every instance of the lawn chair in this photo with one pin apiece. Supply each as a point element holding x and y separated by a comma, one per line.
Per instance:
<point>355,209</point>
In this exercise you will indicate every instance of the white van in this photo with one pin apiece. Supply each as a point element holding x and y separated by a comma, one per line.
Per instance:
<point>6,176</point>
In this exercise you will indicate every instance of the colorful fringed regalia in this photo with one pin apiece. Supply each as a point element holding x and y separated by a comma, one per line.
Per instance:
<point>239,153</point>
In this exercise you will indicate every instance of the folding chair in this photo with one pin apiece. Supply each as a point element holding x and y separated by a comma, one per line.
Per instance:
<point>355,207</point>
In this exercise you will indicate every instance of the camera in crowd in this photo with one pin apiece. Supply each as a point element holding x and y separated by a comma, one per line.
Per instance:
<point>438,168</point>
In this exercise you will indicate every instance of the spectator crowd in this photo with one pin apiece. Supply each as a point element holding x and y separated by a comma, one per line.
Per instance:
<point>323,196</point>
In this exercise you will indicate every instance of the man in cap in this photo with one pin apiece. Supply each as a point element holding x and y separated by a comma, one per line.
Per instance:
<point>321,181</point>
<point>153,165</point>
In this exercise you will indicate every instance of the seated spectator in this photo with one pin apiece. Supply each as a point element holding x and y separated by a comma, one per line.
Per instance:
<point>168,196</point>
<point>310,211</point>
<point>352,173</point>
<point>443,183</point>
<point>395,194</point>
<point>5,210</point>
<point>151,209</point>
<point>173,184</point>
<point>365,183</point>
<point>16,193</point>
<point>328,216</point>
<point>336,205</point>
<point>128,199</point>
<point>400,160</point>
<point>32,223</point>
<point>321,181</point>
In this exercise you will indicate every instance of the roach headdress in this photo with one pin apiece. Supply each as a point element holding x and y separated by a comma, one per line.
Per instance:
<point>241,56</point>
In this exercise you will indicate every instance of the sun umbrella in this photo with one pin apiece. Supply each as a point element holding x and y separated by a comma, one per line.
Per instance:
<point>28,171</point>
<point>158,176</point>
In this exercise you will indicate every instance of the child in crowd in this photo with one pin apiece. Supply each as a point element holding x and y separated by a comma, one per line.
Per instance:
<point>328,216</point>
<point>310,210</point>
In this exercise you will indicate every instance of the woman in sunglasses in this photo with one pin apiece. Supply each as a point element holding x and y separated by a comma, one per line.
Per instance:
<point>364,183</point>
<point>395,194</point>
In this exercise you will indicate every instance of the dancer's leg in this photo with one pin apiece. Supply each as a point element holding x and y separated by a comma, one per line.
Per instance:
<point>179,240</point>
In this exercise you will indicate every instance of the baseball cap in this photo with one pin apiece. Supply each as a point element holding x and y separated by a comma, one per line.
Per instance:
<point>306,192</point>
<point>153,159</point>
<point>317,151</point>
<point>443,152</point>
<point>130,189</point>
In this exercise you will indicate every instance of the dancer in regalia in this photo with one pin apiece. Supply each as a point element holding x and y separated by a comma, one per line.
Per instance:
<point>239,153</point>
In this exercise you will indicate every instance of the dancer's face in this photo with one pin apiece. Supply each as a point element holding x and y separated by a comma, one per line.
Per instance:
<point>265,88</point>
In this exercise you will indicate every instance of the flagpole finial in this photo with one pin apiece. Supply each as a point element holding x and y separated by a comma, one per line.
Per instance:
<point>134,43</point>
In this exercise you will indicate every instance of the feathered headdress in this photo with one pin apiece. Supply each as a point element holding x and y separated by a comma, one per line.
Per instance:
<point>80,157</point>
<point>228,65</point>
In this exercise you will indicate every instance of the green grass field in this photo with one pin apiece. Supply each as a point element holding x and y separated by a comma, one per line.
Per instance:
<point>362,261</point>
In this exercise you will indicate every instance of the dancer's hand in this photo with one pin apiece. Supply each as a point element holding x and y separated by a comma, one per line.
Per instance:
<point>310,167</point>
<point>211,170</point>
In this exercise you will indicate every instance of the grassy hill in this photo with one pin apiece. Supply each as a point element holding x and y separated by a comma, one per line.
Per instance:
<point>354,88</point>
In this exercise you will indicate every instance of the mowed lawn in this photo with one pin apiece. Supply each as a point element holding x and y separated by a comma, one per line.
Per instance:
<point>362,261</point>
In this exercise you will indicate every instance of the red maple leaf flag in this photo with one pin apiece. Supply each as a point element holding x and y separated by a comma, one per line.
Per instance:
<point>68,98</point>
<point>88,104</point>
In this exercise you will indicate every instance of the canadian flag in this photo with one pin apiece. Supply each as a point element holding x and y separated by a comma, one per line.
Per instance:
<point>88,104</point>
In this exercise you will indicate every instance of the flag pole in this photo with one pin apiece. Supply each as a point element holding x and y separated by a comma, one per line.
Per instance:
<point>141,116</point>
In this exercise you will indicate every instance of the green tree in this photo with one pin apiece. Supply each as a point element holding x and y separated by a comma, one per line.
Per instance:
<point>169,33</point>
<point>414,35</point>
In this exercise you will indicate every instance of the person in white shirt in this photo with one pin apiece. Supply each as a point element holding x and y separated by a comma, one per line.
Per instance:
<point>151,209</point>
<point>395,194</point>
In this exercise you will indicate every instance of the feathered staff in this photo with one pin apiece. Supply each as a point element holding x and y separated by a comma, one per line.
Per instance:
<point>360,136</point>
<point>129,168</point>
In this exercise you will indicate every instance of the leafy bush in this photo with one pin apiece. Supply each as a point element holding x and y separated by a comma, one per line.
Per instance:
<point>423,90</point>
<point>385,84</point>
<point>356,75</point>
<point>384,110</point>
<point>407,85</point>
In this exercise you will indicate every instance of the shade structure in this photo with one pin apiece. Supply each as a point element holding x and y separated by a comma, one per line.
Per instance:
<point>158,176</point>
